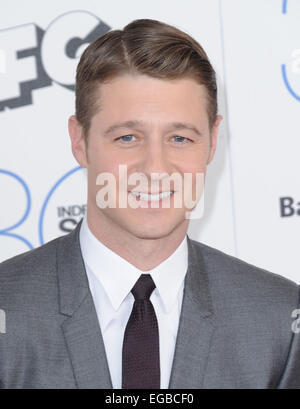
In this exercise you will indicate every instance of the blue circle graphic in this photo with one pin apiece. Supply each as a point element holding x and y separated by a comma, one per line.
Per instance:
<point>48,197</point>
<point>6,231</point>
<point>287,84</point>
<point>28,200</point>
<point>17,237</point>
<point>284,6</point>
<point>283,67</point>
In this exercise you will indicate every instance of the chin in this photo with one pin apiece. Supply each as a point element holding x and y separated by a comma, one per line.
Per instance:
<point>150,235</point>
<point>144,231</point>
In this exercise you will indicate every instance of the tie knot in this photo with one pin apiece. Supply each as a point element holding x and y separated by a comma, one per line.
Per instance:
<point>143,288</point>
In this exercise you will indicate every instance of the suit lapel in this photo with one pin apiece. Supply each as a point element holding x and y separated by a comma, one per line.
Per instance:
<point>196,326</point>
<point>81,327</point>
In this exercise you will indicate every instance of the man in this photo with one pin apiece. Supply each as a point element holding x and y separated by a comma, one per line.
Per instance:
<point>128,300</point>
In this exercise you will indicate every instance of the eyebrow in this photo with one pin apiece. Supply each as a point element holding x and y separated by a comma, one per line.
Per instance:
<point>138,124</point>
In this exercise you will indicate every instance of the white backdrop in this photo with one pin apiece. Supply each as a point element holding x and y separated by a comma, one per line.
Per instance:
<point>252,191</point>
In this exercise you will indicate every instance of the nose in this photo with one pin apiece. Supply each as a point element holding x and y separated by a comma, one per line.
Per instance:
<point>155,159</point>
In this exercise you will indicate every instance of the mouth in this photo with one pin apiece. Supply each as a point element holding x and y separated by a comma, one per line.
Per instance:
<point>152,197</point>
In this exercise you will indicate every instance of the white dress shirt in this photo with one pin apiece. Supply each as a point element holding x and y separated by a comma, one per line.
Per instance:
<point>111,279</point>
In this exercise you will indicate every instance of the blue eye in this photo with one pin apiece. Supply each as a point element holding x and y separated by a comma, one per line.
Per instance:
<point>125,138</point>
<point>128,138</point>
<point>181,138</point>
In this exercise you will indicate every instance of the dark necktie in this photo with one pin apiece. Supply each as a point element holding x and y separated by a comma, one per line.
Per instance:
<point>140,357</point>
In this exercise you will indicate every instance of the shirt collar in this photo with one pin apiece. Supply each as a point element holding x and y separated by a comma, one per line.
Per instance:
<point>118,276</point>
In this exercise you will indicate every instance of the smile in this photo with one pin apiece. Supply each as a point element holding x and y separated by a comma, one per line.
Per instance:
<point>152,197</point>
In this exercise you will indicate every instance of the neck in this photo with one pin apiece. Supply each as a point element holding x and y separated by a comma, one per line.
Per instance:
<point>144,253</point>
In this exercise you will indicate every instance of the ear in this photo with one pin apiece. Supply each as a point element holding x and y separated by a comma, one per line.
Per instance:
<point>77,141</point>
<point>213,138</point>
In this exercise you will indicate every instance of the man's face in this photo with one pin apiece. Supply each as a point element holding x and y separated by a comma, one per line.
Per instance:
<point>150,143</point>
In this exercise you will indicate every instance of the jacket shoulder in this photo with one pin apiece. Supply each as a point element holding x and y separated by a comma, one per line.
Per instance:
<point>254,310</point>
<point>29,280</point>
<point>39,258</point>
<point>241,279</point>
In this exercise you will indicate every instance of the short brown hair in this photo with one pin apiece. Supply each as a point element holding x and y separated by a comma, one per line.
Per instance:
<point>144,46</point>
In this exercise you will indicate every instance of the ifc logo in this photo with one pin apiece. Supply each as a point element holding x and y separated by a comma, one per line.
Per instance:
<point>33,58</point>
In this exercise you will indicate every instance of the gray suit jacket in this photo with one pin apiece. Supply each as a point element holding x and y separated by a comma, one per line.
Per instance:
<point>234,330</point>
